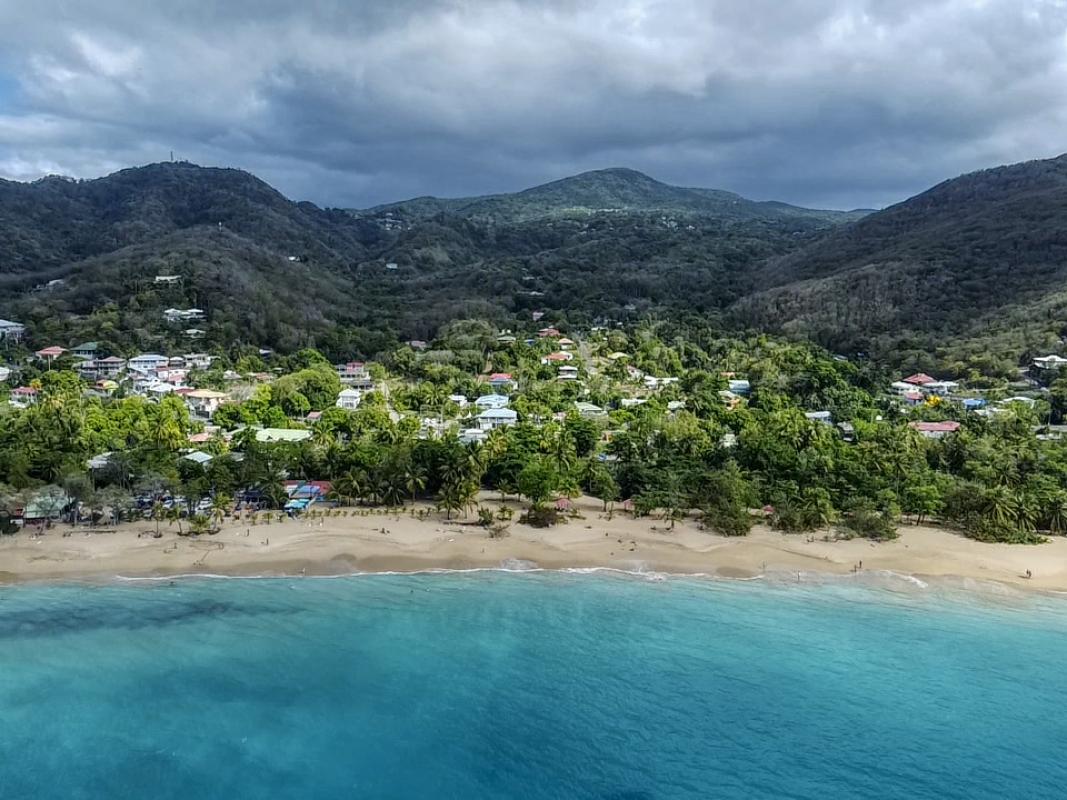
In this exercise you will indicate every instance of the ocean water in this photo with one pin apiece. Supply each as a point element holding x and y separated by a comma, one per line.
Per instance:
<point>539,685</point>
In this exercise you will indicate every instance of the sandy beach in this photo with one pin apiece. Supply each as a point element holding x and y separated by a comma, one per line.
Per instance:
<point>371,541</point>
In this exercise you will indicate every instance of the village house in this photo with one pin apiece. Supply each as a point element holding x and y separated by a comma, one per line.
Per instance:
<point>109,367</point>
<point>349,399</point>
<point>195,333</point>
<point>50,354</point>
<point>355,373</point>
<point>271,435</point>
<point>652,382</point>
<point>12,331</point>
<point>825,417</point>
<point>553,358</point>
<point>729,399</point>
<point>565,344</point>
<point>1051,362</point>
<point>568,373</point>
<point>203,403</point>
<point>147,362</point>
<point>23,396</point>
<point>198,360</point>
<point>934,430</point>
<point>460,400</point>
<point>589,410</point>
<point>487,401</point>
<point>85,350</point>
<point>472,436</point>
<point>169,279</point>
<point>739,386</point>
<point>183,314</point>
<point>548,333</point>
<point>493,418</point>
<point>501,380</point>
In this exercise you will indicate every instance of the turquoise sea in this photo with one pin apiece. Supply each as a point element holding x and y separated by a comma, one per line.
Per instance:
<point>537,685</point>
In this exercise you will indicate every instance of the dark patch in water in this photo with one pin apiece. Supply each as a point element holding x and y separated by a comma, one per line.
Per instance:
<point>63,618</point>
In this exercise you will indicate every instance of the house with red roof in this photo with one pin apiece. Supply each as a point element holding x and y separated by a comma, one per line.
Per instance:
<point>935,430</point>
<point>919,379</point>
<point>501,380</point>
<point>50,353</point>
<point>23,396</point>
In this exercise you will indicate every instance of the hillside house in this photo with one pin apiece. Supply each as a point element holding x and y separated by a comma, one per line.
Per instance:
<point>183,314</point>
<point>565,344</point>
<point>548,333</point>
<point>501,381</point>
<point>1052,362</point>
<point>919,379</point>
<point>198,360</point>
<point>488,401</point>
<point>272,435</point>
<point>356,374</point>
<point>50,354</point>
<point>349,399</point>
<point>934,430</point>
<point>568,373</point>
<point>739,386</point>
<point>147,362</point>
<point>555,358</point>
<point>23,396</point>
<point>203,403</point>
<point>85,350</point>
<point>493,418</point>
<point>460,401</point>
<point>12,331</point>
<point>589,410</point>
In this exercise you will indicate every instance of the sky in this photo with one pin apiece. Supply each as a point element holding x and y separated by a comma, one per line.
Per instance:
<point>826,103</point>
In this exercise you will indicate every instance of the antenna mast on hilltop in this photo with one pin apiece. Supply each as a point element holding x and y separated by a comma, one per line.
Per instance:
<point>172,156</point>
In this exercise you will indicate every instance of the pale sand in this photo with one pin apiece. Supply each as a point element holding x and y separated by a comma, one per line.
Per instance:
<point>342,545</point>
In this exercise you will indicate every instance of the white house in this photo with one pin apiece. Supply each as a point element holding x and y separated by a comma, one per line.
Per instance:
<point>493,418</point>
<point>183,314</point>
<point>23,396</point>
<point>349,399</point>
<point>1053,362</point>
<point>355,373</point>
<point>568,373</point>
<point>167,279</point>
<point>146,362</point>
<point>824,417</point>
<point>11,331</point>
<point>589,410</point>
<point>488,401</point>
<point>205,402</point>
<point>739,386</point>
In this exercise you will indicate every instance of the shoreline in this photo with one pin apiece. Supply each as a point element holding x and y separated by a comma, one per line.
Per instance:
<point>374,542</point>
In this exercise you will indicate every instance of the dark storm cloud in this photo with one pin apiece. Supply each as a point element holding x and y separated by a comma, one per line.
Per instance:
<point>825,102</point>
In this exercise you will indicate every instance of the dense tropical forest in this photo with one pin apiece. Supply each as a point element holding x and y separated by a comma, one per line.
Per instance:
<point>648,426</point>
<point>967,276</point>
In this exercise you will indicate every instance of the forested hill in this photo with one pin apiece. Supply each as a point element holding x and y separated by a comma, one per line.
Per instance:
<point>974,269</point>
<point>272,272</point>
<point>972,273</point>
<point>616,190</point>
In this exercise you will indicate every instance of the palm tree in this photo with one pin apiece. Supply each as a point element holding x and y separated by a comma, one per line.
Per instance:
<point>198,524</point>
<point>159,512</point>
<point>352,485</point>
<point>414,479</point>
<point>220,507</point>
<point>174,514</point>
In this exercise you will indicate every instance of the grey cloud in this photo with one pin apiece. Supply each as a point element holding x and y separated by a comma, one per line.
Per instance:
<point>838,103</point>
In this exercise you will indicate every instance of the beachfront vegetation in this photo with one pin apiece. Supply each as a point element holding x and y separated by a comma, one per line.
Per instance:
<point>683,450</point>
